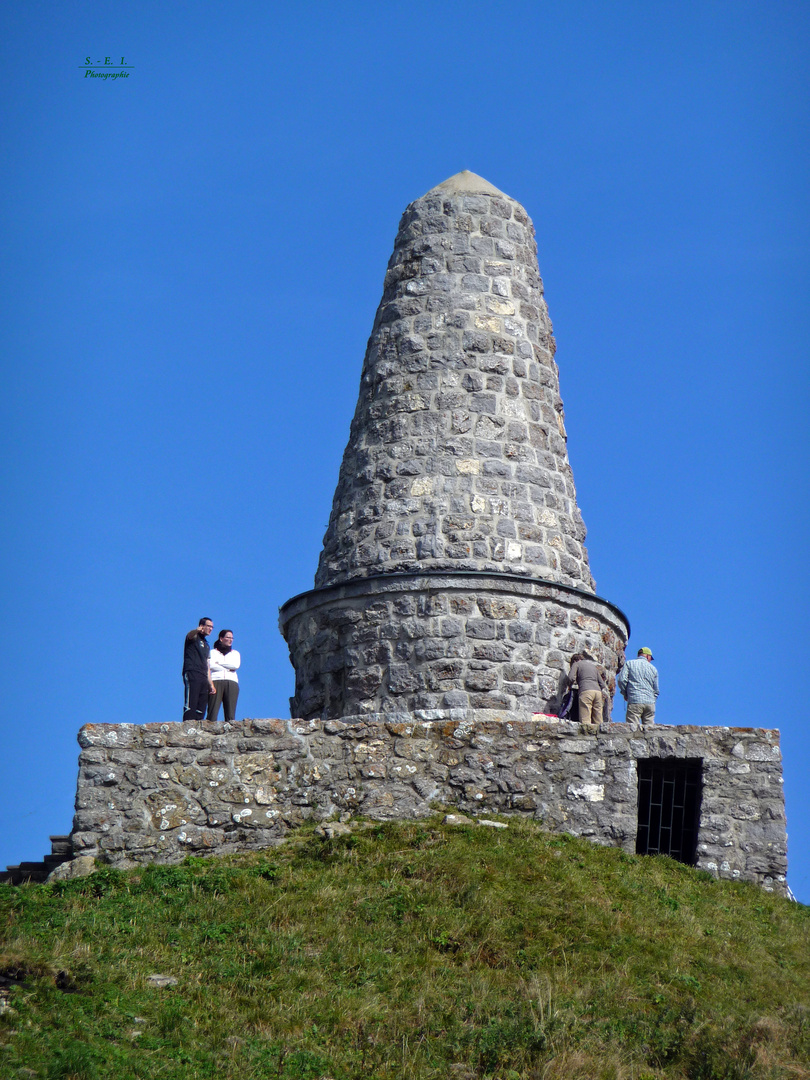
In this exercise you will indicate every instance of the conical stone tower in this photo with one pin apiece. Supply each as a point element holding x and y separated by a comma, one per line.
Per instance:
<point>453,573</point>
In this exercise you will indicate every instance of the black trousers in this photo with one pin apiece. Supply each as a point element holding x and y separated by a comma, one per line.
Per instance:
<point>226,695</point>
<point>196,697</point>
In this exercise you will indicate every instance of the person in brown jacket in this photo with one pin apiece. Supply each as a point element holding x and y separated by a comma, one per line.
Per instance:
<point>588,677</point>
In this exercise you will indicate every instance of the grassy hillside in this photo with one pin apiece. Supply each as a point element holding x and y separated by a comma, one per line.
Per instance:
<point>416,950</point>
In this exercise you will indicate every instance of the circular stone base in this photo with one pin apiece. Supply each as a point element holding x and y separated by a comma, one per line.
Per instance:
<point>408,642</point>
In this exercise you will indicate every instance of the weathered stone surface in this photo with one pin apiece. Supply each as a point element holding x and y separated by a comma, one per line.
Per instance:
<point>384,768</point>
<point>81,866</point>
<point>330,829</point>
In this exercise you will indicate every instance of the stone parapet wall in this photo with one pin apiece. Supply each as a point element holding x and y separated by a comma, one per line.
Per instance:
<point>157,792</point>
<point>415,642</point>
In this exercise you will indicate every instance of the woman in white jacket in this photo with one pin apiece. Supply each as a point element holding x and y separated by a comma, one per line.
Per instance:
<point>224,662</point>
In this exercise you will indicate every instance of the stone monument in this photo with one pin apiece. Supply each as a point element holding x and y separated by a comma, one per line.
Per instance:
<point>453,573</point>
<point>452,591</point>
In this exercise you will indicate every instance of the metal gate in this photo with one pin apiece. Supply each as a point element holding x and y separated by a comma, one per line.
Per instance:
<point>669,791</point>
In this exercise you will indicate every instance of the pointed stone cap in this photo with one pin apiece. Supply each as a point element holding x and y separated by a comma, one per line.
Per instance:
<point>466,183</point>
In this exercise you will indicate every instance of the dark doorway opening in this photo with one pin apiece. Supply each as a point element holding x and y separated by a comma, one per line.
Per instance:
<point>669,791</point>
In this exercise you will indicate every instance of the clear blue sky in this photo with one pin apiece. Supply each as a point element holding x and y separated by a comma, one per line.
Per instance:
<point>192,260</point>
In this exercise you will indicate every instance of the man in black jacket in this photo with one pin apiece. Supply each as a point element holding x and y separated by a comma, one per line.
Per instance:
<point>197,672</point>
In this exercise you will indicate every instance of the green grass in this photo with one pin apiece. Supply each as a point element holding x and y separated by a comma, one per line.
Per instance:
<point>413,950</point>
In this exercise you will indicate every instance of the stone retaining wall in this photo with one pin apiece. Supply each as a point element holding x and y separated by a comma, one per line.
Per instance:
<point>157,792</point>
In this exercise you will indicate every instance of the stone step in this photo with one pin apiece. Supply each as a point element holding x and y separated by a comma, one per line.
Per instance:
<point>61,852</point>
<point>33,877</point>
<point>19,875</point>
<point>52,861</point>
<point>33,871</point>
